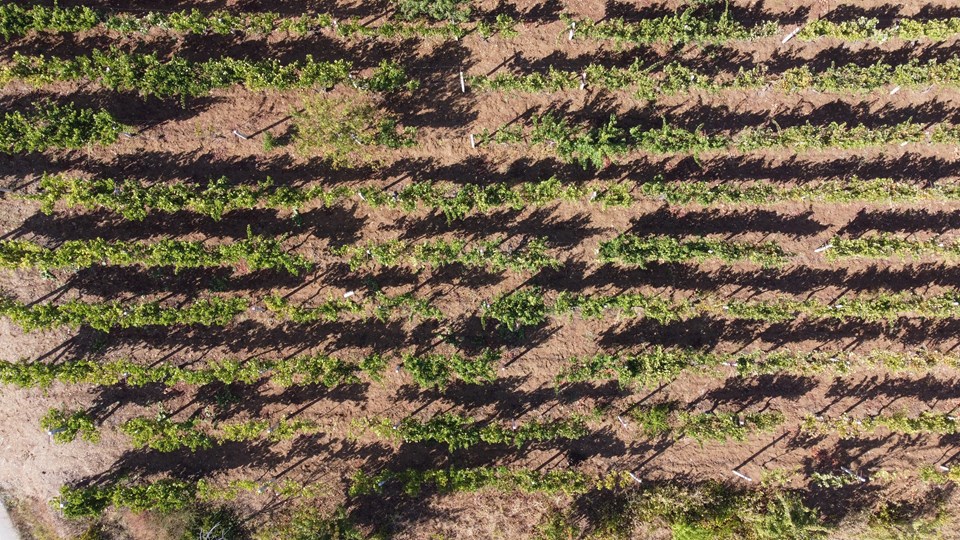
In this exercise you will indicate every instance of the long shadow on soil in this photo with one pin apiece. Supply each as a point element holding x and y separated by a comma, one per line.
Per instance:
<point>675,221</point>
<point>339,224</point>
<point>707,333</point>
<point>902,220</point>
<point>799,280</point>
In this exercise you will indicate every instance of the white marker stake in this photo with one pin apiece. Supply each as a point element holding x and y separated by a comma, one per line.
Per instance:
<point>241,135</point>
<point>895,90</point>
<point>348,294</point>
<point>463,84</point>
<point>853,474</point>
<point>622,421</point>
<point>790,36</point>
<point>823,248</point>
<point>473,142</point>
<point>741,475</point>
<point>573,26</point>
<point>943,468</point>
<point>583,80</point>
<point>635,479</point>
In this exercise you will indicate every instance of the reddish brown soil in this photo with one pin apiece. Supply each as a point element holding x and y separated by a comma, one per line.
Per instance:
<point>196,142</point>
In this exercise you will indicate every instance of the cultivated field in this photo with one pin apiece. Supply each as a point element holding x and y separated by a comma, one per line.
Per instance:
<point>439,269</point>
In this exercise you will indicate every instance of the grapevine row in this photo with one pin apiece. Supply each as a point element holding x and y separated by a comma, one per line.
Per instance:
<point>662,365</point>
<point>165,435</point>
<point>257,252</point>
<point>652,82</point>
<point>684,27</point>
<point>380,307</point>
<point>436,253</point>
<point>434,370</point>
<point>151,76</point>
<point>664,419</point>
<point>689,27</point>
<point>134,200</point>
<point>169,494</point>
<point>16,20</point>
<point>630,249</point>
<point>528,307</point>
<point>847,427</point>
<point>215,311</point>
<point>50,125</point>
<point>457,431</point>
<point>594,147</point>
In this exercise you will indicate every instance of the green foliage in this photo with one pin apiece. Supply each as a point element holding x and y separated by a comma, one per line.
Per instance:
<point>523,307</point>
<point>867,29</point>
<point>310,523</point>
<point>345,131</point>
<point>527,306</point>
<point>57,126</point>
<point>640,251</point>
<point>151,76</point>
<point>658,81</point>
<point>107,315</point>
<point>438,370</point>
<point>133,200</point>
<point>161,496</point>
<point>256,252</point>
<point>458,431</point>
<point>299,370</point>
<point>594,147</point>
<point>852,189</point>
<point>165,435</point>
<point>688,26</point>
<point>436,253</point>
<point>883,246</point>
<point>557,525</point>
<point>663,418</point>
<point>454,11</point>
<point>64,425</point>
<point>660,365</point>
<point>847,427</point>
<point>166,495</point>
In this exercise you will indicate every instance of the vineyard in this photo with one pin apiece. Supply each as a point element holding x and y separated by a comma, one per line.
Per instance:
<point>477,269</point>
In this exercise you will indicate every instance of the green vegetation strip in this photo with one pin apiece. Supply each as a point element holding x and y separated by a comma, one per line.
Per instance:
<point>884,246</point>
<point>16,20</point>
<point>848,427</point>
<point>256,252</point>
<point>151,76</point>
<point>380,307</point>
<point>630,249</point>
<point>134,200</point>
<point>689,26</point>
<point>656,81</point>
<point>528,307</point>
<point>169,494</point>
<point>104,316</point>
<point>165,435</point>
<point>853,189</point>
<point>52,126</point>
<point>666,419</point>
<point>457,431</point>
<point>595,147</point>
<point>436,253</point>
<point>434,370</point>
<point>660,365</point>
